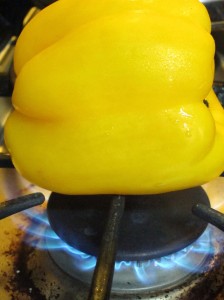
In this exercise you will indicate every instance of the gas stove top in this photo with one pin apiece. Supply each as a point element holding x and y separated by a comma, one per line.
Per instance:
<point>33,258</point>
<point>37,265</point>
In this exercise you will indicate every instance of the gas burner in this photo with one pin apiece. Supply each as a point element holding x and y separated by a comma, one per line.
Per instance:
<point>152,226</point>
<point>157,248</point>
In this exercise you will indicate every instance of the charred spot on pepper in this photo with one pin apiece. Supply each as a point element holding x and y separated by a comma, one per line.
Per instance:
<point>206,103</point>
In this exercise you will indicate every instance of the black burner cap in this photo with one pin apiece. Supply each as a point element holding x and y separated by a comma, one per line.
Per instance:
<point>152,225</point>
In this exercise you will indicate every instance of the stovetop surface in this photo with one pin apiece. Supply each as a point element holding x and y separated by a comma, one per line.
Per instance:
<point>29,273</point>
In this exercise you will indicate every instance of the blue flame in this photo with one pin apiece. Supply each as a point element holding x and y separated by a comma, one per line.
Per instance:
<point>40,235</point>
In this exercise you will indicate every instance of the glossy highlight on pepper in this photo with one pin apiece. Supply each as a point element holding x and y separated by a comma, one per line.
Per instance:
<point>115,97</point>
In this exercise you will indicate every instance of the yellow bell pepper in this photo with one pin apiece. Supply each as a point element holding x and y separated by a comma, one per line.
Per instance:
<point>115,97</point>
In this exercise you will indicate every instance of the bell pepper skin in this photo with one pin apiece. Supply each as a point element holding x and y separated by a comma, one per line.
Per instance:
<point>115,97</point>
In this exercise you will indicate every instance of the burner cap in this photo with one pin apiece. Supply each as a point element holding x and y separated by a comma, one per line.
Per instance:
<point>152,225</point>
